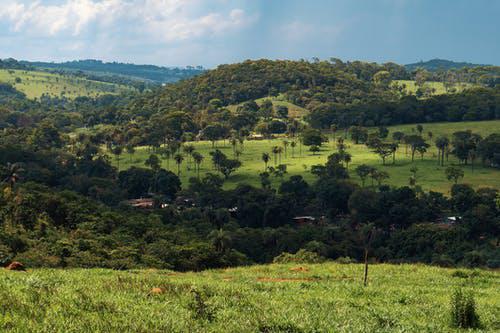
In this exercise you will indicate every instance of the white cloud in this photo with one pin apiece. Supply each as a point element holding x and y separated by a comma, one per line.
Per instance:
<point>297,31</point>
<point>152,20</point>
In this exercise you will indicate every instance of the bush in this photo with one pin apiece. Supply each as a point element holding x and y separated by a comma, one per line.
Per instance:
<point>463,310</point>
<point>302,256</point>
<point>200,307</point>
<point>345,260</point>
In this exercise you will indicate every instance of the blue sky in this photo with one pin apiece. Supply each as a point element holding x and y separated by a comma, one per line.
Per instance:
<point>211,32</point>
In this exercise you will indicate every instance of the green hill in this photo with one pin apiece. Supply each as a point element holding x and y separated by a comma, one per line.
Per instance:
<point>440,64</point>
<point>139,72</point>
<point>326,297</point>
<point>35,84</point>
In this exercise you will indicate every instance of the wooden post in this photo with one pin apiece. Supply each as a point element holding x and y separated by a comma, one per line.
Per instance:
<point>365,281</point>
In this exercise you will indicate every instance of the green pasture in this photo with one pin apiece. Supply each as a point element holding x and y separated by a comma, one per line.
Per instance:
<point>440,89</point>
<point>326,297</point>
<point>430,176</point>
<point>34,84</point>
<point>294,111</point>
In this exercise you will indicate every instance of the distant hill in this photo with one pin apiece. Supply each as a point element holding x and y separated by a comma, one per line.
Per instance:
<point>149,73</point>
<point>440,64</point>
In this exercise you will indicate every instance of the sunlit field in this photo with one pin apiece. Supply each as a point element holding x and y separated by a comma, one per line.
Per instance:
<point>34,84</point>
<point>430,176</point>
<point>274,298</point>
<point>439,87</point>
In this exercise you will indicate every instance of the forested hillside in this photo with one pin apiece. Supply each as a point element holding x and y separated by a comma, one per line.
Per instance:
<point>139,179</point>
<point>143,72</point>
<point>439,65</point>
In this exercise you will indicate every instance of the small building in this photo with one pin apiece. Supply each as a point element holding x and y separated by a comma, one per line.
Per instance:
<point>303,220</point>
<point>255,137</point>
<point>142,203</point>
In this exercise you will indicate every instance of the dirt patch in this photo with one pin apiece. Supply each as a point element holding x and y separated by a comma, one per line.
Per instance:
<point>16,266</point>
<point>227,279</point>
<point>299,269</point>
<point>156,291</point>
<point>265,279</point>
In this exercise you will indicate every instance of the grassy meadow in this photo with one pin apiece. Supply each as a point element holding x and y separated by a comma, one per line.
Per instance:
<point>326,297</point>
<point>440,89</point>
<point>430,176</point>
<point>294,111</point>
<point>34,84</point>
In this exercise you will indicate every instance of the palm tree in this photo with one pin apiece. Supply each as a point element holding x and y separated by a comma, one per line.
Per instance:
<point>178,160</point>
<point>394,148</point>
<point>13,171</point>
<point>285,145</point>
<point>166,154</point>
<point>333,129</point>
<point>442,144</point>
<point>280,151</point>
<point>275,150</point>
<point>117,151</point>
<point>293,144</point>
<point>188,149</point>
<point>347,159</point>
<point>220,239</point>
<point>130,151</point>
<point>234,143</point>
<point>265,158</point>
<point>198,158</point>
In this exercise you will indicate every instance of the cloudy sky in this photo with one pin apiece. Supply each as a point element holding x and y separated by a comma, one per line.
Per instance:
<point>211,32</point>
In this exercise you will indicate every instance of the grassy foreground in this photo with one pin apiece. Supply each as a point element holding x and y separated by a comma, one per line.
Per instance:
<point>430,176</point>
<point>274,298</point>
<point>34,84</point>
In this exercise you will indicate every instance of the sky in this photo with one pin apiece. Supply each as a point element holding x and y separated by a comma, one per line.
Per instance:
<point>213,32</point>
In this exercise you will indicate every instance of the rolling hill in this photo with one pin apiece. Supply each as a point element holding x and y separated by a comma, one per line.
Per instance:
<point>149,73</point>
<point>440,64</point>
<point>35,84</point>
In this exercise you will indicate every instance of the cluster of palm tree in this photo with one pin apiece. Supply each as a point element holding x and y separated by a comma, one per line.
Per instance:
<point>364,171</point>
<point>178,152</point>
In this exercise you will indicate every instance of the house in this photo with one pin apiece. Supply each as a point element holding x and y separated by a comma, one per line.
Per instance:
<point>303,220</point>
<point>143,203</point>
<point>255,137</point>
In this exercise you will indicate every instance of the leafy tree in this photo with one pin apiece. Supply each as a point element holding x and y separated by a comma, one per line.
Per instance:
<point>358,134</point>
<point>178,158</point>
<point>265,159</point>
<point>312,137</point>
<point>383,132</point>
<point>153,162</point>
<point>454,174</point>
<point>282,111</point>
<point>384,151</point>
<point>314,149</point>
<point>398,136</point>
<point>228,166</point>
<point>363,171</point>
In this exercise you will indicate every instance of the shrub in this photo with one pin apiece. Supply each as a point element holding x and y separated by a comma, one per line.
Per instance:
<point>302,256</point>
<point>200,307</point>
<point>463,310</point>
<point>345,260</point>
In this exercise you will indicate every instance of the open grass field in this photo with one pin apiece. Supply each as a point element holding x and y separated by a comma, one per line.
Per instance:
<point>430,176</point>
<point>34,84</point>
<point>294,111</point>
<point>326,297</point>
<point>439,87</point>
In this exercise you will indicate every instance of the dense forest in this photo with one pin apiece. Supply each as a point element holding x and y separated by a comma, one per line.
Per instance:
<point>64,203</point>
